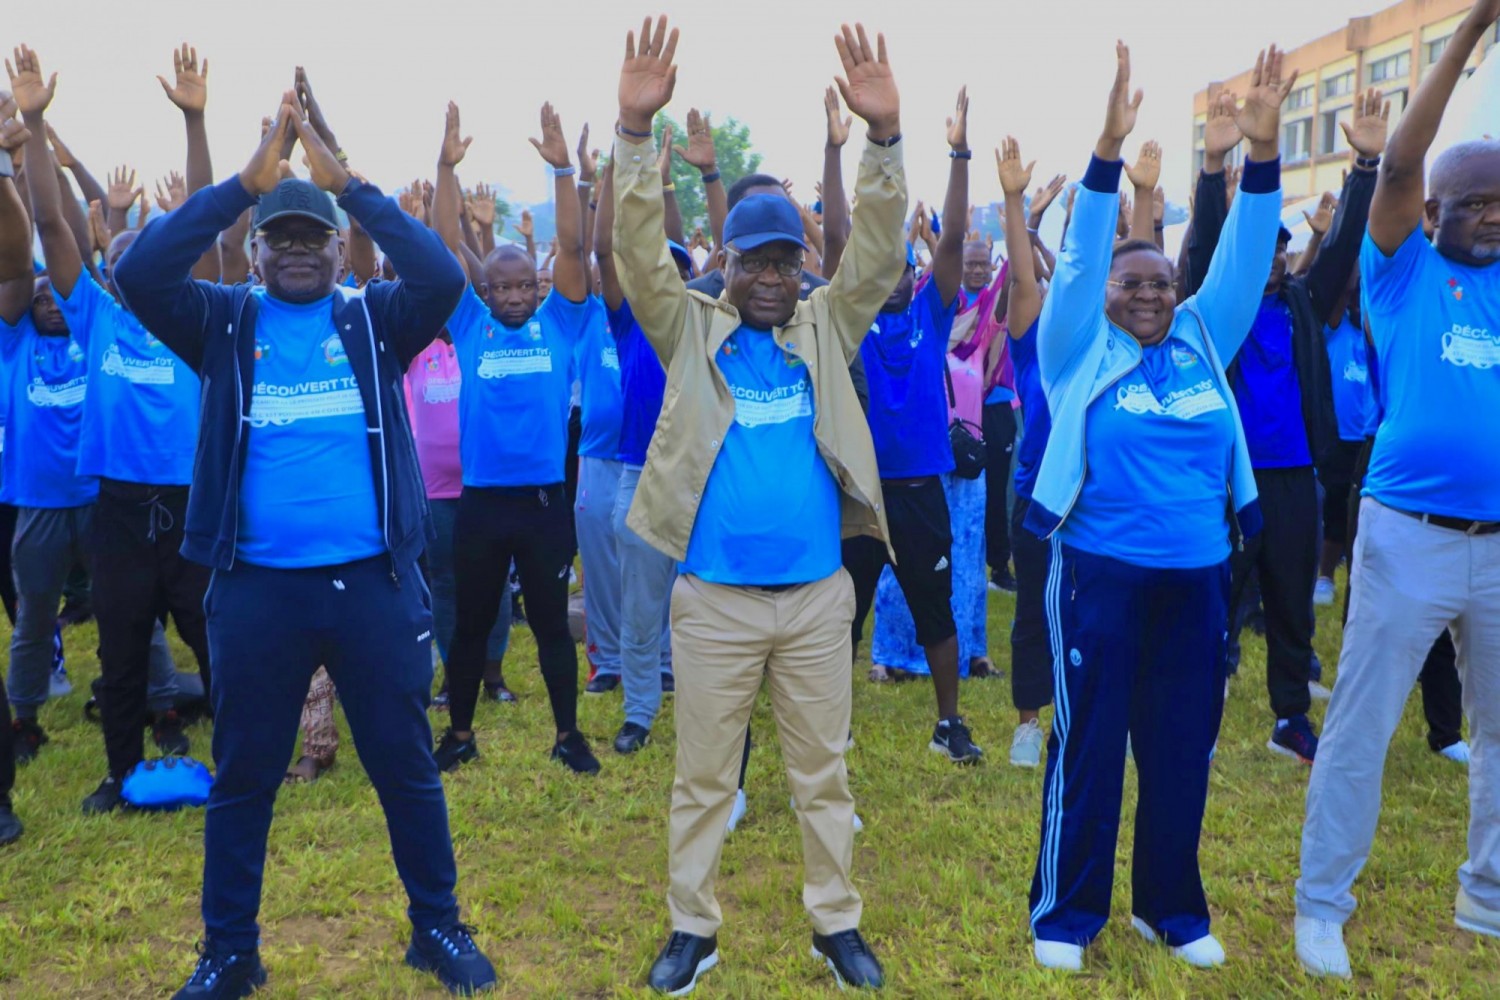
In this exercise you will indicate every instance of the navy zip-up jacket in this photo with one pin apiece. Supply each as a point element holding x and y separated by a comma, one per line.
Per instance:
<point>212,329</point>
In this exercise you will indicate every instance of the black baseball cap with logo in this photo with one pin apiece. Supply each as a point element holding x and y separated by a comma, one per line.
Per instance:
<point>292,198</point>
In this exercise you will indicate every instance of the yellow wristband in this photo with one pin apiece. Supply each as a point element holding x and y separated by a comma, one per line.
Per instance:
<point>669,187</point>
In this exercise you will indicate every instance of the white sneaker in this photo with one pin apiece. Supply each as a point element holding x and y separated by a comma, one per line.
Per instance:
<point>1320,948</point>
<point>1457,752</point>
<point>58,685</point>
<point>1058,955</point>
<point>1026,744</point>
<point>1204,953</point>
<point>1472,917</point>
<point>859,824</point>
<point>1318,692</point>
<point>738,812</point>
<point>1323,591</point>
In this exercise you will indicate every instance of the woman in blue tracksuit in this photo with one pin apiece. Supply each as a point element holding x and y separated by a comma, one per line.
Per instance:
<point>1144,470</point>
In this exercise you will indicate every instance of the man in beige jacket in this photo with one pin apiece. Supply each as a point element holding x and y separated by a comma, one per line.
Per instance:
<point>761,463</point>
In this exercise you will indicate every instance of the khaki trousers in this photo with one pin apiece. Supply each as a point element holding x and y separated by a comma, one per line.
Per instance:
<point>724,641</point>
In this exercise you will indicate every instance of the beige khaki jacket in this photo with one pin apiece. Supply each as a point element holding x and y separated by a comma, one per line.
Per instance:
<point>686,329</point>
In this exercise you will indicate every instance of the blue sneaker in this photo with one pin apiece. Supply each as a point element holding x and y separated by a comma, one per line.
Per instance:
<point>223,975</point>
<point>1294,737</point>
<point>451,954</point>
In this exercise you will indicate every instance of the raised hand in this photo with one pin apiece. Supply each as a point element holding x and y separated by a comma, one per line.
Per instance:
<point>867,86</point>
<point>588,162</point>
<point>13,135</point>
<point>1147,170</point>
<point>31,93</point>
<point>311,109</point>
<point>647,77</point>
<point>700,150</point>
<point>1122,109</point>
<point>1014,176</point>
<point>263,172</point>
<point>1371,125</point>
<point>838,127</point>
<point>1321,220</point>
<point>326,170</point>
<point>454,144</point>
<point>1159,205</point>
<point>552,145</point>
<point>190,92</point>
<point>144,212</point>
<point>664,162</point>
<point>958,125</point>
<point>65,157</point>
<point>122,191</point>
<point>1042,199</point>
<point>482,205</point>
<point>171,192</point>
<point>1220,132</point>
<point>99,234</point>
<point>1260,117</point>
<point>526,228</point>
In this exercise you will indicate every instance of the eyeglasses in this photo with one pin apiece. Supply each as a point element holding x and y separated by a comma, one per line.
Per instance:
<point>1135,285</point>
<point>787,267</point>
<point>312,239</point>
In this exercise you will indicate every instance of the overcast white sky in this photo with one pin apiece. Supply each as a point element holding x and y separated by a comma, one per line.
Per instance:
<point>384,71</point>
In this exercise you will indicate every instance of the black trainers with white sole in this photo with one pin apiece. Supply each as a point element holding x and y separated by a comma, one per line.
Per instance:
<point>683,959</point>
<point>951,737</point>
<point>850,959</point>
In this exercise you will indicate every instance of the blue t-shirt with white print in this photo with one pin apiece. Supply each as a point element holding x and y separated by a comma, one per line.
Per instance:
<point>140,417</point>
<point>1163,432</point>
<point>905,356</point>
<point>513,412</point>
<point>1348,363</point>
<point>1435,324</point>
<point>596,360</point>
<point>46,379</point>
<point>307,495</point>
<point>770,511</point>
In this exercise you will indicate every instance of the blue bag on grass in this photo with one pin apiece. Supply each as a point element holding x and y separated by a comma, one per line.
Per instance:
<point>168,783</point>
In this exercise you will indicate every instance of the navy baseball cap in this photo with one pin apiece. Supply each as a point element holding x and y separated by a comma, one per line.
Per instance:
<point>680,252</point>
<point>761,219</point>
<point>295,197</point>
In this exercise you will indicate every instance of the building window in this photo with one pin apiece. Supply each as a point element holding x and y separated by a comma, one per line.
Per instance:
<point>1296,140</point>
<point>1302,97</point>
<point>1330,136</point>
<point>1435,48</point>
<point>1198,132</point>
<point>1396,67</point>
<point>1338,86</point>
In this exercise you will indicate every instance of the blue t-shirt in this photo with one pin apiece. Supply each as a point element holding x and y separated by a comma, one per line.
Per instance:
<point>140,418</point>
<point>643,383</point>
<point>1269,393</point>
<point>1036,418</point>
<point>597,363</point>
<point>1435,324</point>
<point>1352,402</point>
<point>307,496</point>
<point>1159,447</point>
<point>770,511</point>
<point>513,412</point>
<point>905,360</point>
<point>45,383</point>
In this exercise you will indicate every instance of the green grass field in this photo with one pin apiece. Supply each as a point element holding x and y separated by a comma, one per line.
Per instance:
<point>565,876</point>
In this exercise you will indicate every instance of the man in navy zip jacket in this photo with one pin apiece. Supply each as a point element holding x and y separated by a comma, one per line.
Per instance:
<point>308,505</point>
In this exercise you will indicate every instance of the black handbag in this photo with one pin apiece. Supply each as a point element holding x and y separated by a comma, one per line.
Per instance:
<point>966,437</point>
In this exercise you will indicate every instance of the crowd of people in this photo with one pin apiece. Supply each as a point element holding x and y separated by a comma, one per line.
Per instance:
<point>334,436</point>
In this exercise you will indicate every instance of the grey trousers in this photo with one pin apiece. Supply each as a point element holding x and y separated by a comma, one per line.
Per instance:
<point>47,544</point>
<point>1411,581</point>
<point>593,513</point>
<point>646,578</point>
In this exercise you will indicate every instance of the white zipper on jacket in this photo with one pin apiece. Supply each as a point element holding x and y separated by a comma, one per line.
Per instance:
<point>239,425</point>
<point>385,475</point>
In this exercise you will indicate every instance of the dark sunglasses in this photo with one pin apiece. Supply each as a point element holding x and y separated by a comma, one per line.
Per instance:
<point>312,239</point>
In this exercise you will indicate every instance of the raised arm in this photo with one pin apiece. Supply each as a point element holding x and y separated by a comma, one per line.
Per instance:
<point>876,254</point>
<point>15,232</point>
<point>604,239</point>
<point>1400,194</point>
<point>483,210</point>
<point>234,257</point>
<point>948,258</point>
<point>835,205</point>
<point>588,178</point>
<point>189,92</point>
<point>1211,196</point>
<point>672,220</point>
<point>702,155</point>
<point>1024,303</point>
<point>445,199</point>
<point>648,275</point>
<point>122,193</point>
<point>1318,223</point>
<point>363,263</point>
<point>568,276</point>
<point>1236,278</point>
<point>1143,177</point>
<point>1329,274</point>
<point>1071,314</point>
<point>88,186</point>
<point>59,245</point>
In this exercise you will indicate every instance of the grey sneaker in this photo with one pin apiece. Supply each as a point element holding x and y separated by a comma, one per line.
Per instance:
<point>1026,745</point>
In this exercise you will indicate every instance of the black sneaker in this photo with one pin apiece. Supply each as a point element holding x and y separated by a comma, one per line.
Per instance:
<point>668,682</point>
<point>602,684</point>
<point>1294,737</point>
<point>29,739</point>
<point>451,954</point>
<point>1003,579</point>
<point>952,738</point>
<point>106,798</point>
<point>685,957</point>
<point>223,975</point>
<point>168,734</point>
<point>498,692</point>
<point>631,738</point>
<point>574,751</point>
<point>10,826</point>
<point>452,751</point>
<point>850,959</point>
